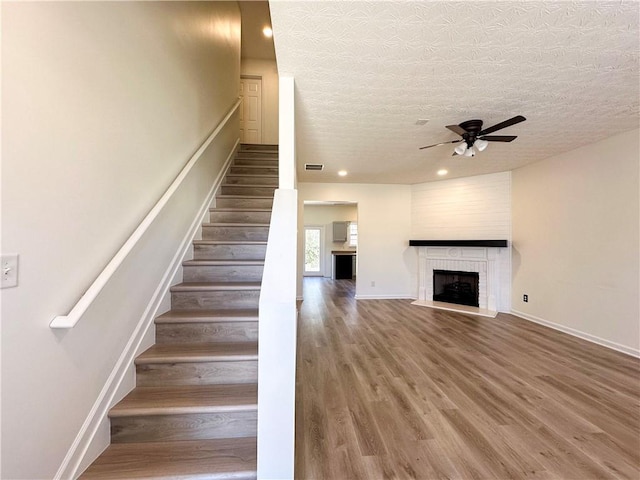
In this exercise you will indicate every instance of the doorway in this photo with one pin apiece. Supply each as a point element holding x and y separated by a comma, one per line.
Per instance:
<point>251,111</point>
<point>313,249</point>
<point>339,245</point>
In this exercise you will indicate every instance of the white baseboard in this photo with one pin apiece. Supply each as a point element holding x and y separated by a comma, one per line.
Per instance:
<point>397,296</point>
<point>577,333</point>
<point>83,443</point>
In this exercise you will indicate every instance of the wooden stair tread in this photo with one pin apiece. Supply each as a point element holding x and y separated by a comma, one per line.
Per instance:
<point>205,263</point>
<point>229,242</point>
<point>183,399</point>
<point>244,197</point>
<point>267,149</point>
<point>222,224</point>
<point>258,154</point>
<point>198,352</point>
<point>269,157</point>
<point>222,459</point>
<point>208,316</point>
<point>248,185</point>
<point>262,155</point>
<point>239,209</point>
<point>214,286</point>
<point>261,175</point>
<point>254,166</point>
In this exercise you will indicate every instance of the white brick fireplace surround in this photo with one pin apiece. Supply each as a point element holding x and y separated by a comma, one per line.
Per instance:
<point>492,264</point>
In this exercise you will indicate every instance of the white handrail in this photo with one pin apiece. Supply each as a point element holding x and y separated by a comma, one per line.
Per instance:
<point>69,321</point>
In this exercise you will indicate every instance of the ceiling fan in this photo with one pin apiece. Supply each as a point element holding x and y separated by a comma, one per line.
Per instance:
<point>475,138</point>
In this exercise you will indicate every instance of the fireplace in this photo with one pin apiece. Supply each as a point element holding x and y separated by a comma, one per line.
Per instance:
<point>491,262</point>
<point>457,287</point>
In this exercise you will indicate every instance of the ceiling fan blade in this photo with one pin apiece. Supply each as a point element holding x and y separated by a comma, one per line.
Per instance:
<point>457,129</point>
<point>441,143</point>
<point>499,138</point>
<point>501,125</point>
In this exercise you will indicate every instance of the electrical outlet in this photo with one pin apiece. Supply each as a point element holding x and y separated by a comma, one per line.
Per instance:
<point>9,270</point>
<point>525,298</point>
<point>373,284</point>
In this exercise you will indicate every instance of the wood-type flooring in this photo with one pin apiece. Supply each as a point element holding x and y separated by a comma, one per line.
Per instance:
<point>389,390</point>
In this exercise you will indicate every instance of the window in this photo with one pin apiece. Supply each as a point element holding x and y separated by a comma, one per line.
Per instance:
<point>353,234</point>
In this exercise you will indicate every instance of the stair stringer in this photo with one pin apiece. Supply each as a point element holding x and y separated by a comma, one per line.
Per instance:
<point>94,435</point>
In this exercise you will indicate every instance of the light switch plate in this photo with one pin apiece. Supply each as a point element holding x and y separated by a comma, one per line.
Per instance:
<point>9,272</point>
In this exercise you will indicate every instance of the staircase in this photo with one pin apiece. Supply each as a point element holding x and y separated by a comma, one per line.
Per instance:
<point>193,413</point>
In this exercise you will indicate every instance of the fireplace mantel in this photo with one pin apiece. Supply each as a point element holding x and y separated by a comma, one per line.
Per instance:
<point>459,243</point>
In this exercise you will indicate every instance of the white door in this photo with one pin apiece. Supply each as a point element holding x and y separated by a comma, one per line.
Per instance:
<point>251,111</point>
<point>313,251</point>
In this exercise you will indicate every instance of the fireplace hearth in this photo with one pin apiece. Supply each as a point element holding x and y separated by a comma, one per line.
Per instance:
<point>461,288</point>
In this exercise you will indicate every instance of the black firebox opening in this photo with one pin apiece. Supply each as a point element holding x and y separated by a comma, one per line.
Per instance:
<point>456,287</point>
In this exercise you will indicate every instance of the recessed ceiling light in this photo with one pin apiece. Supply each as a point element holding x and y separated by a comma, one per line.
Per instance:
<point>267,32</point>
<point>442,172</point>
<point>421,121</point>
<point>342,173</point>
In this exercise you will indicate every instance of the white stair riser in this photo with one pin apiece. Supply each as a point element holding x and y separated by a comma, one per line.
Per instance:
<point>211,300</point>
<point>195,426</point>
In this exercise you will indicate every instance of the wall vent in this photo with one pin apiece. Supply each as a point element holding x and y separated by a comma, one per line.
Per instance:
<point>313,167</point>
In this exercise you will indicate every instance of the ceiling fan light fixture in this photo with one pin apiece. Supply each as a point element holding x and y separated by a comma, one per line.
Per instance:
<point>470,152</point>
<point>481,144</point>
<point>460,149</point>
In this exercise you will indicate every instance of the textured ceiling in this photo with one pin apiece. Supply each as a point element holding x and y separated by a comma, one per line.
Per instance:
<point>366,71</point>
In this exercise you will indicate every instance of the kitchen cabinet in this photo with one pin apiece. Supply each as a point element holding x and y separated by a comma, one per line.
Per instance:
<point>340,231</point>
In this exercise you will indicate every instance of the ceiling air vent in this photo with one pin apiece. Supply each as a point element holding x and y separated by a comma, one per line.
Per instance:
<point>313,167</point>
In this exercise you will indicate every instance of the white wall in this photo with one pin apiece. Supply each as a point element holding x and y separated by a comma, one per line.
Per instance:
<point>278,312</point>
<point>576,241</point>
<point>468,208</point>
<point>324,216</point>
<point>277,338</point>
<point>268,70</point>
<point>103,103</point>
<point>287,178</point>
<point>384,226</point>
<point>471,208</point>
